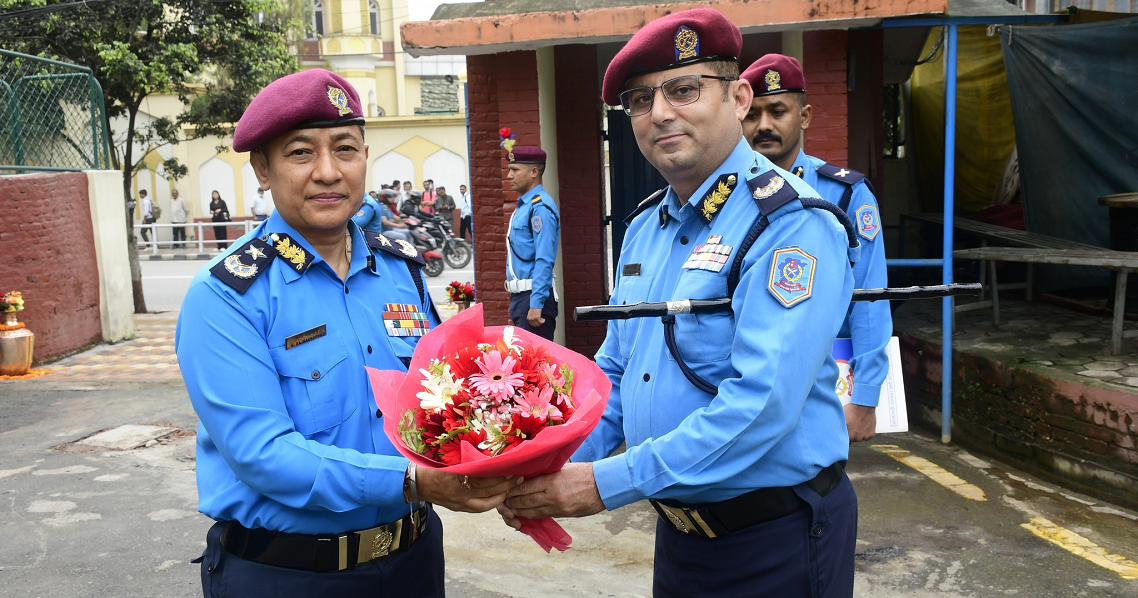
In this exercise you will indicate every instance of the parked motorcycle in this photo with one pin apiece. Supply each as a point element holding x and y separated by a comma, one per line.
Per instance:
<point>427,246</point>
<point>456,252</point>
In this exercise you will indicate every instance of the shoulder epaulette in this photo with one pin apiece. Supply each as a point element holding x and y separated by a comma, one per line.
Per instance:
<point>771,191</point>
<point>239,271</point>
<point>293,252</point>
<point>398,247</point>
<point>648,202</point>
<point>842,175</point>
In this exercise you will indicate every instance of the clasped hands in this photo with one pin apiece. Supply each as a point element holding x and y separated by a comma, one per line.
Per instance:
<point>571,492</point>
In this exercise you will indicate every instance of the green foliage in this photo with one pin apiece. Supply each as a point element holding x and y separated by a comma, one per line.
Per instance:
<point>215,55</point>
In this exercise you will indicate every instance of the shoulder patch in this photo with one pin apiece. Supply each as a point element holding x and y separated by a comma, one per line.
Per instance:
<point>291,251</point>
<point>399,247</point>
<point>647,203</point>
<point>241,267</point>
<point>791,278</point>
<point>771,191</point>
<point>717,195</point>
<point>842,175</point>
<point>868,224</point>
<point>535,223</point>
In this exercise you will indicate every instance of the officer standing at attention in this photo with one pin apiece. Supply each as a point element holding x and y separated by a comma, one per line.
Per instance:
<point>310,497</point>
<point>532,245</point>
<point>774,124</point>
<point>746,478</point>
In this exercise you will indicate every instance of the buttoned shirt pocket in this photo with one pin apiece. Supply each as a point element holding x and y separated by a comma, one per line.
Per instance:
<point>309,374</point>
<point>521,239</point>
<point>633,289</point>
<point>705,337</point>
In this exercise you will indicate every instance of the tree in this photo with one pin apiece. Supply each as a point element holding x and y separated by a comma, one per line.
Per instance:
<point>215,55</point>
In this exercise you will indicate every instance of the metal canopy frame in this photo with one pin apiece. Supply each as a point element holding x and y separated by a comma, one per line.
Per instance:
<point>945,263</point>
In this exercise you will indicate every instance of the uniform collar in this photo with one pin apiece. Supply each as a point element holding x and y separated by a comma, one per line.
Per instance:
<point>530,196</point>
<point>276,224</point>
<point>711,197</point>
<point>801,164</point>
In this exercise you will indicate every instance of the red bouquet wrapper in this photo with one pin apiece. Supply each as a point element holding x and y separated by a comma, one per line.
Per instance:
<point>395,392</point>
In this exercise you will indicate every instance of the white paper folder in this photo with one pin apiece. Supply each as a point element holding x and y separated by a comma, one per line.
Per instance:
<point>891,413</point>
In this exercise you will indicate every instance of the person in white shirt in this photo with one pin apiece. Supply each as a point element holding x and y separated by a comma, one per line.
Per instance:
<point>147,206</point>
<point>179,211</point>
<point>465,213</point>
<point>260,207</point>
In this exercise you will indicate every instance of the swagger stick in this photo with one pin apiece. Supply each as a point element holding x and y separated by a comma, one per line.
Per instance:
<point>663,308</point>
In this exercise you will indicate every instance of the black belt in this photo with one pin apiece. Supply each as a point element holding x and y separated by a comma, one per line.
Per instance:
<point>757,506</point>
<point>324,552</point>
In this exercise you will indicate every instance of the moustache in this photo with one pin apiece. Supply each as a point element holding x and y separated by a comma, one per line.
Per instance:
<point>761,137</point>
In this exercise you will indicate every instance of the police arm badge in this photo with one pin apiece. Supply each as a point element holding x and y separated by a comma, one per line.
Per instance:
<point>868,224</point>
<point>535,223</point>
<point>791,279</point>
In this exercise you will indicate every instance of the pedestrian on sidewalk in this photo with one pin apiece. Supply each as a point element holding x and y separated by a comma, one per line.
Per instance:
<point>179,211</point>
<point>260,207</point>
<point>309,495</point>
<point>219,213</point>
<point>465,213</point>
<point>147,218</point>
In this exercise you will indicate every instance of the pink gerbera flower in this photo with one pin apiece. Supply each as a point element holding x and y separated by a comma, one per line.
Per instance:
<point>538,403</point>
<point>497,378</point>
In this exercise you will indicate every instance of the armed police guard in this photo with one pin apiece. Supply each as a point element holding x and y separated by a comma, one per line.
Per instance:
<point>310,497</point>
<point>532,245</point>
<point>774,124</point>
<point>744,471</point>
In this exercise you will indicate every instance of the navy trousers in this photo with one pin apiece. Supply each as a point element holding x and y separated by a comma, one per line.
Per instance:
<point>416,572</point>
<point>519,307</point>
<point>807,554</point>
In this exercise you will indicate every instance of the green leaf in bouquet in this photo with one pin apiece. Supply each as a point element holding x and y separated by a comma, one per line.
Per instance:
<point>412,435</point>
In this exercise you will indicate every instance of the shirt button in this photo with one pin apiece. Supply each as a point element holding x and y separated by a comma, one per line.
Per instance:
<point>345,289</point>
<point>378,413</point>
<point>315,374</point>
<point>683,240</point>
<point>647,377</point>
<point>369,348</point>
<point>817,529</point>
<point>754,169</point>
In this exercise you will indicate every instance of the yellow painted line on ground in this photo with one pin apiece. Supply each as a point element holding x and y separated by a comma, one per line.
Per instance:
<point>934,472</point>
<point>1076,544</point>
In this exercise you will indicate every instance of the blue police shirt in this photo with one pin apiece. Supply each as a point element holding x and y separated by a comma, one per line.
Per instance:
<point>776,420</point>
<point>289,439</point>
<point>368,217</point>
<point>868,325</point>
<point>534,230</point>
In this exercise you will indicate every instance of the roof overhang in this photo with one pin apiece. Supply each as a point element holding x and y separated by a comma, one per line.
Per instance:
<point>509,25</point>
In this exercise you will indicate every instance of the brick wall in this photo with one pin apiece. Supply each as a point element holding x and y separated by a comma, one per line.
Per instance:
<point>1082,433</point>
<point>47,251</point>
<point>824,66</point>
<point>580,174</point>
<point>502,92</point>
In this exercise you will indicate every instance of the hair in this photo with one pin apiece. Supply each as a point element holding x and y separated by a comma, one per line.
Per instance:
<point>214,191</point>
<point>142,192</point>
<point>441,188</point>
<point>540,169</point>
<point>726,68</point>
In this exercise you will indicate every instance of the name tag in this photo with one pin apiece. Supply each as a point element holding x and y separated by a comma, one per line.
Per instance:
<point>297,340</point>
<point>631,270</point>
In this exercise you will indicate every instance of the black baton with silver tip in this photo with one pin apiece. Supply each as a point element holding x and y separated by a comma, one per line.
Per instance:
<point>695,306</point>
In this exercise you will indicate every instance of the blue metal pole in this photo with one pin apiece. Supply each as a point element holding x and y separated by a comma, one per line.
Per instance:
<point>949,193</point>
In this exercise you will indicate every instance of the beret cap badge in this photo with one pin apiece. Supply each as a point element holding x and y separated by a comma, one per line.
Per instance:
<point>773,80</point>
<point>687,43</point>
<point>339,100</point>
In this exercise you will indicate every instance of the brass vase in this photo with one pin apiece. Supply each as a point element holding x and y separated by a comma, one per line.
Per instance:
<point>15,347</point>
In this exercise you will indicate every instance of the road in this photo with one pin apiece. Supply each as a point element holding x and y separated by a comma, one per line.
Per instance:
<point>165,282</point>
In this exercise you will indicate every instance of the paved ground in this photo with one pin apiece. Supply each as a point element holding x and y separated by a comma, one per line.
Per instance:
<point>935,521</point>
<point>1037,332</point>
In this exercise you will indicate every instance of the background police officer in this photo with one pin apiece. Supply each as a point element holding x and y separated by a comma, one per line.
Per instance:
<point>774,125</point>
<point>745,474</point>
<point>532,243</point>
<point>310,497</point>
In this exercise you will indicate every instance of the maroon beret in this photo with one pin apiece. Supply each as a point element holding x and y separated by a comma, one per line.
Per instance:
<point>678,39</point>
<point>310,99</point>
<point>526,154</point>
<point>775,73</point>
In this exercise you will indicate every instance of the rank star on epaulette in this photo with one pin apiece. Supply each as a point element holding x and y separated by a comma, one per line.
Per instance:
<point>239,272</point>
<point>720,191</point>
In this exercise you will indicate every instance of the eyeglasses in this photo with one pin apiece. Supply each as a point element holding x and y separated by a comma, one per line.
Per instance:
<point>680,91</point>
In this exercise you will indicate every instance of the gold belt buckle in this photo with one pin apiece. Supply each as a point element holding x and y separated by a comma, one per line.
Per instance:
<point>379,541</point>
<point>686,520</point>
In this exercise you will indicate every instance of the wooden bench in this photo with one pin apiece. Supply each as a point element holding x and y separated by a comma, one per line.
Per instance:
<point>1121,262</point>
<point>1006,237</point>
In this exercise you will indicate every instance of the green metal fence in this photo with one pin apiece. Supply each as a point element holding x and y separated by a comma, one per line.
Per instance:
<point>51,116</point>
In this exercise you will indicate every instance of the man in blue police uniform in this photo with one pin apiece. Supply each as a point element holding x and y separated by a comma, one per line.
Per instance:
<point>369,215</point>
<point>532,245</point>
<point>744,469</point>
<point>310,497</point>
<point>774,125</point>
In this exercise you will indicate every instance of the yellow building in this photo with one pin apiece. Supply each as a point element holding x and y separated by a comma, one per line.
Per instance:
<point>416,114</point>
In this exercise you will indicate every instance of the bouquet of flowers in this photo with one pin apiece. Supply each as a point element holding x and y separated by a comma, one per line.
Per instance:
<point>492,401</point>
<point>460,292</point>
<point>12,301</point>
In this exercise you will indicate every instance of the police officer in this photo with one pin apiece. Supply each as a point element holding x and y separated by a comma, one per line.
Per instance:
<point>746,478</point>
<point>532,244</point>
<point>310,497</point>
<point>774,124</point>
<point>370,213</point>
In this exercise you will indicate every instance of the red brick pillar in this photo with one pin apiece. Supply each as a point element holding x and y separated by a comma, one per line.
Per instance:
<point>581,197</point>
<point>502,92</point>
<point>824,66</point>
